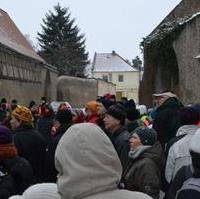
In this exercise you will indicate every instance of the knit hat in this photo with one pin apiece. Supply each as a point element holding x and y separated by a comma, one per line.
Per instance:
<point>93,106</point>
<point>6,136</point>
<point>147,136</point>
<point>189,116</point>
<point>38,191</point>
<point>64,116</point>
<point>118,112</point>
<point>23,113</point>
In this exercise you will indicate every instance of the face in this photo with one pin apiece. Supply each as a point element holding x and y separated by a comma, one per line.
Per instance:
<point>134,141</point>
<point>159,100</point>
<point>110,122</point>
<point>14,123</point>
<point>102,109</point>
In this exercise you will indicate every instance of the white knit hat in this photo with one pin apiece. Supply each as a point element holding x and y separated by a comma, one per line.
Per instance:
<point>40,191</point>
<point>194,142</point>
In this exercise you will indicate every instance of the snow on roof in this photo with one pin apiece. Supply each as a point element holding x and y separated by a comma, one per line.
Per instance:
<point>11,37</point>
<point>110,62</point>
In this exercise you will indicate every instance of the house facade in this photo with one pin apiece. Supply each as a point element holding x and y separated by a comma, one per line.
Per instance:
<point>111,67</point>
<point>171,55</point>
<point>24,75</point>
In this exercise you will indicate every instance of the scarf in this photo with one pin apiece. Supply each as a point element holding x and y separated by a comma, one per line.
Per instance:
<point>7,151</point>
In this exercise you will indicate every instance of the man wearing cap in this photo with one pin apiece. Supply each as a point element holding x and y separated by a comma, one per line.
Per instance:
<point>114,123</point>
<point>166,121</point>
<point>30,144</point>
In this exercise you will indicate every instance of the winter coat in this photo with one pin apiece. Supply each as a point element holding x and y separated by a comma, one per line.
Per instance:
<point>31,145</point>
<point>143,172</point>
<point>88,165</point>
<point>182,175</point>
<point>44,125</point>
<point>179,154</point>
<point>167,121</point>
<point>190,189</point>
<point>50,171</point>
<point>18,176</point>
<point>120,140</point>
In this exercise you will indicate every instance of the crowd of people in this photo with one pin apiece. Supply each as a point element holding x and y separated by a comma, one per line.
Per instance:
<point>108,149</point>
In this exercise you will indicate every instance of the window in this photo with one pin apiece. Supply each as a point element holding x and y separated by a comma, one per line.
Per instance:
<point>105,77</point>
<point>120,78</point>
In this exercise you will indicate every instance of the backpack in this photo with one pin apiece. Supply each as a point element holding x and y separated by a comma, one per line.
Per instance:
<point>190,189</point>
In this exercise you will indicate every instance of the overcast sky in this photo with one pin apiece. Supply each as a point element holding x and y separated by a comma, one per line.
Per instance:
<point>108,25</point>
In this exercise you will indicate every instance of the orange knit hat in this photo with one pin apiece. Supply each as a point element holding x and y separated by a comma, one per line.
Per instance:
<point>93,106</point>
<point>23,113</point>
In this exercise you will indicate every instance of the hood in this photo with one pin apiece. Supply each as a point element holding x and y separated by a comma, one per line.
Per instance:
<point>86,161</point>
<point>187,129</point>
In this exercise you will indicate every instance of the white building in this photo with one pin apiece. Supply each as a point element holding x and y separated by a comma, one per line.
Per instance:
<point>113,68</point>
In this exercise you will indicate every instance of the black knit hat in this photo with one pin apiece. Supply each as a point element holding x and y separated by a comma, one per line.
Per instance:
<point>118,112</point>
<point>147,136</point>
<point>64,116</point>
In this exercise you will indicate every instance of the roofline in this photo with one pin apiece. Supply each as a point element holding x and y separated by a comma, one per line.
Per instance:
<point>164,19</point>
<point>115,71</point>
<point>118,56</point>
<point>38,60</point>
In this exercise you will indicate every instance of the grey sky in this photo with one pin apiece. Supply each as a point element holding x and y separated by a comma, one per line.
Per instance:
<point>108,24</point>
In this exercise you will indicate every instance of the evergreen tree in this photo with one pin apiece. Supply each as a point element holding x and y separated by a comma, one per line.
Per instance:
<point>61,43</point>
<point>137,63</point>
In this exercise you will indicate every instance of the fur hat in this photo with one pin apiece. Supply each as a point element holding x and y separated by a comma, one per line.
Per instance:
<point>118,112</point>
<point>93,106</point>
<point>147,136</point>
<point>6,136</point>
<point>23,114</point>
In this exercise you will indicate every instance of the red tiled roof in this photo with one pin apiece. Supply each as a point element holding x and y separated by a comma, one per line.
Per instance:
<point>11,37</point>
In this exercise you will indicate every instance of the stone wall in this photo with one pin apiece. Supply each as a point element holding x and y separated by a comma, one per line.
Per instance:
<point>25,91</point>
<point>187,47</point>
<point>78,91</point>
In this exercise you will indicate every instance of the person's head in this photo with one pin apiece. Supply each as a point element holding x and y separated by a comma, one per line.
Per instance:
<point>78,116</point>
<point>21,116</point>
<point>124,100</point>
<point>92,108</point>
<point>6,140</point>
<point>32,106</point>
<point>85,157</point>
<point>189,116</point>
<point>132,114</point>
<point>6,136</point>
<point>40,191</point>
<point>160,98</point>
<point>13,104</point>
<point>142,136</point>
<point>64,116</point>
<point>115,118</point>
<point>43,100</point>
<point>48,111</point>
<point>194,149</point>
